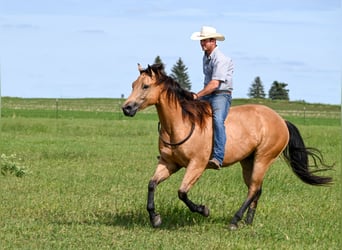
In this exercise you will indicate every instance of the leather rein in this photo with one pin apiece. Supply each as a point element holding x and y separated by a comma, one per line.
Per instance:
<point>176,143</point>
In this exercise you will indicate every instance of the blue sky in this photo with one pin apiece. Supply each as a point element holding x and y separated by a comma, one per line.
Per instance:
<point>84,48</point>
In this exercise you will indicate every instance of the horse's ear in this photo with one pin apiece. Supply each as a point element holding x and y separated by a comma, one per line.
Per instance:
<point>140,68</point>
<point>150,70</point>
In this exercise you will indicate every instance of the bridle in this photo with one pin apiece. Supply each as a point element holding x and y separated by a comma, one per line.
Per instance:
<point>176,143</point>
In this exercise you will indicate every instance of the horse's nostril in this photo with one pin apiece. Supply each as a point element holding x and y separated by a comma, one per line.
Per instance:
<point>129,109</point>
<point>126,109</point>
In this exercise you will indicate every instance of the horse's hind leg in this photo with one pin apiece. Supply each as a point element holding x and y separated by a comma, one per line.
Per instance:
<point>246,205</point>
<point>253,175</point>
<point>252,208</point>
<point>247,170</point>
<point>191,176</point>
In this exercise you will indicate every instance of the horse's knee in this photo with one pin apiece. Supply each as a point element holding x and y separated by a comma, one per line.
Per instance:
<point>182,195</point>
<point>152,185</point>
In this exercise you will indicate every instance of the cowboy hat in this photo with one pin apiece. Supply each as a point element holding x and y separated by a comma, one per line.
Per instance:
<point>207,32</point>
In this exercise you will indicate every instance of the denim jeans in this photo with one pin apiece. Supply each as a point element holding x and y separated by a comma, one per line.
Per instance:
<point>220,104</point>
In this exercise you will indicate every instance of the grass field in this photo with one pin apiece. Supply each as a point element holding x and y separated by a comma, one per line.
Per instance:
<point>88,170</point>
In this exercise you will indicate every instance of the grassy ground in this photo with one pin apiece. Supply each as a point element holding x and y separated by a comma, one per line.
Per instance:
<point>87,185</point>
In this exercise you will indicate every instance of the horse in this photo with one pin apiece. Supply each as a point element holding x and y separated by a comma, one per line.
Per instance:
<point>256,136</point>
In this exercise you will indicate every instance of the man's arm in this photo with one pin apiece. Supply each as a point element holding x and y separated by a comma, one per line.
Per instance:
<point>208,89</point>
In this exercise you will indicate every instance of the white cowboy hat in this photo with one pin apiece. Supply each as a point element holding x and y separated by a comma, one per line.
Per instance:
<point>207,32</point>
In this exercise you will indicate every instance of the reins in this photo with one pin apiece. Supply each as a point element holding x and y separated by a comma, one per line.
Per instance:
<point>176,143</point>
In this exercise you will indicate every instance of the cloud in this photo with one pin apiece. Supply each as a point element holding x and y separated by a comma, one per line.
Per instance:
<point>19,26</point>
<point>186,12</point>
<point>286,17</point>
<point>275,63</point>
<point>93,31</point>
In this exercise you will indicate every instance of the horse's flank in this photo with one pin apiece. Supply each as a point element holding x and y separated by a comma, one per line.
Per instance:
<point>254,129</point>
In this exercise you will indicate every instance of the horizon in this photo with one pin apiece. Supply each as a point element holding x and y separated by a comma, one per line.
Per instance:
<point>259,100</point>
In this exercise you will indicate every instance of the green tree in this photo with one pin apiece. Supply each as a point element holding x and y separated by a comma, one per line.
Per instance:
<point>158,60</point>
<point>179,73</point>
<point>257,89</point>
<point>278,91</point>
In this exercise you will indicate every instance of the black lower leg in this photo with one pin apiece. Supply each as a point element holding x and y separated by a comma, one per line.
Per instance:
<point>239,214</point>
<point>252,208</point>
<point>201,209</point>
<point>154,218</point>
<point>250,215</point>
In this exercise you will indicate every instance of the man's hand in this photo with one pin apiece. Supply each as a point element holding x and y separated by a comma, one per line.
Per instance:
<point>195,96</point>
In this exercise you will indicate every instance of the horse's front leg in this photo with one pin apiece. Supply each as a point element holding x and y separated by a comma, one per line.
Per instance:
<point>154,217</point>
<point>192,174</point>
<point>162,172</point>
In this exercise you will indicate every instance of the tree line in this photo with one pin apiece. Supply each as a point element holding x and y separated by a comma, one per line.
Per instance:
<point>277,91</point>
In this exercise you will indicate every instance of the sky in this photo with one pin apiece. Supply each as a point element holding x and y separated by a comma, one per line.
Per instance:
<point>90,48</point>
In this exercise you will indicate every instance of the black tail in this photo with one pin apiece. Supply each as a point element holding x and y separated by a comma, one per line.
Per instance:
<point>297,156</point>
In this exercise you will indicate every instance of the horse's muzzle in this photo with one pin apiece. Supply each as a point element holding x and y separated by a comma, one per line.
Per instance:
<point>130,109</point>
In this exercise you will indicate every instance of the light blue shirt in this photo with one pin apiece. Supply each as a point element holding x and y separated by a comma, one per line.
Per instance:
<point>217,66</point>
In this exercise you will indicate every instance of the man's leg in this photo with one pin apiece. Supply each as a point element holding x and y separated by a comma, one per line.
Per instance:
<point>220,104</point>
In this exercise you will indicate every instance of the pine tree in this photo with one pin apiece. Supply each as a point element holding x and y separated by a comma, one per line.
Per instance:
<point>179,73</point>
<point>257,89</point>
<point>278,91</point>
<point>158,60</point>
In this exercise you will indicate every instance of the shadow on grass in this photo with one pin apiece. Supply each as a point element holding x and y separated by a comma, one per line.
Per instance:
<point>172,219</point>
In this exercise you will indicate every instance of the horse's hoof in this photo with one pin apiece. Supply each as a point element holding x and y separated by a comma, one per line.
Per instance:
<point>156,221</point>
<point>206,211</point>
<point>233,227</point>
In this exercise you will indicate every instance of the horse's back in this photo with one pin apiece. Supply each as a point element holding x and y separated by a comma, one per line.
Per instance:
<point>252,128</point>
<point>250,111</point>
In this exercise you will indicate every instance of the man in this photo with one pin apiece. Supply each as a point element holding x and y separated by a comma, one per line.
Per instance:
<point>218,86</point>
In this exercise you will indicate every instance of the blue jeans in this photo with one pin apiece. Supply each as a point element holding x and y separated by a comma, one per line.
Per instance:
<point>220,104</point>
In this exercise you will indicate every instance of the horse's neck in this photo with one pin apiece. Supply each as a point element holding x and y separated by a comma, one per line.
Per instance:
<point>170,116</point>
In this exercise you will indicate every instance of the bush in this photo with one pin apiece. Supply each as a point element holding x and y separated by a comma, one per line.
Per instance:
<point>9,165</point>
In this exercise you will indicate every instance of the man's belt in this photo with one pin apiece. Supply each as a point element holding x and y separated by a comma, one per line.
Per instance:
<point>222,92</point>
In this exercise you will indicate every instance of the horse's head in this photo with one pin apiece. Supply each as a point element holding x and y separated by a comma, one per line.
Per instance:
<point>146,89</point>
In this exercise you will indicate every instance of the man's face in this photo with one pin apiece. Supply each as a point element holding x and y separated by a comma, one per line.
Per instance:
<point>208,45</point>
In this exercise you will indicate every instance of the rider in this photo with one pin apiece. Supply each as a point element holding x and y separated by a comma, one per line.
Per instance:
<point>218,85</point>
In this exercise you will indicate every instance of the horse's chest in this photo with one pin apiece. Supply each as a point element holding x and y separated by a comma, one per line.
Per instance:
<point>186,152</point>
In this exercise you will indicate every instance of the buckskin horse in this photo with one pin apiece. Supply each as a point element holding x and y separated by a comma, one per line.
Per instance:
<point>256,136</point>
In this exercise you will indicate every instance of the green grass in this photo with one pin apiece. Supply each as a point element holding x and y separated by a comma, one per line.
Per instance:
<point>87,187</point>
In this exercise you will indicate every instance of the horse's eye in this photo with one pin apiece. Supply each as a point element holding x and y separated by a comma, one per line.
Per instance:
<point>145,86</point>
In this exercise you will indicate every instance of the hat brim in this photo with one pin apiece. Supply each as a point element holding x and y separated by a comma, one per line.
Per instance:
<point>197,36</point>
